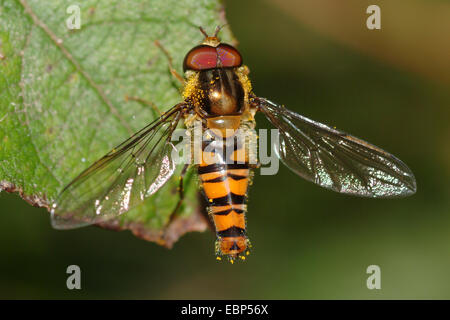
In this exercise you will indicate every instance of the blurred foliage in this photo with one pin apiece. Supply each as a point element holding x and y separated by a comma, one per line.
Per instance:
<point>413,33</point>
<point>308,242</point>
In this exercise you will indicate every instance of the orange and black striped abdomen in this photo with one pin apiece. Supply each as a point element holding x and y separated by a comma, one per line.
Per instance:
<point>225,187</point>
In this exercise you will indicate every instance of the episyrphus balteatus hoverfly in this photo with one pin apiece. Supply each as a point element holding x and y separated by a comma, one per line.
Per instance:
<point>218,97</point>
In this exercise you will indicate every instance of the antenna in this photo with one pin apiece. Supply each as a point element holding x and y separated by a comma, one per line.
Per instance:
<point>218,28</point>
<point>204,32</point>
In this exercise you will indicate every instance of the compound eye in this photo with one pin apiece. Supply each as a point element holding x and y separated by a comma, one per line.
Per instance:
<point>229,56</point>
<point>200,58</point>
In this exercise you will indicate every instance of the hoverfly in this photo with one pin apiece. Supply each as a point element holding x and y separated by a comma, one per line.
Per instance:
<point>218,95</point>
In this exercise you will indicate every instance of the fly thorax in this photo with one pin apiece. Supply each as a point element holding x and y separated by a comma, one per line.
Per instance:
<point>222,92</point>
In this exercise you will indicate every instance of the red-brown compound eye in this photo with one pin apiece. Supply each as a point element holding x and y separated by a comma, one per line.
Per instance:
<point>200,58</point>
<point>228,55</point>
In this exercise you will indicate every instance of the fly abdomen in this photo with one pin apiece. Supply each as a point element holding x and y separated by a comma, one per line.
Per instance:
<point>225,186</point>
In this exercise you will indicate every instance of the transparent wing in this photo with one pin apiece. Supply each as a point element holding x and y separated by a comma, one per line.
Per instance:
<point>121,179</point>
<point>334,159</point>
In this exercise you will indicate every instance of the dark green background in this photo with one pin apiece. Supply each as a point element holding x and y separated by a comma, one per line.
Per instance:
<point>308,242</point>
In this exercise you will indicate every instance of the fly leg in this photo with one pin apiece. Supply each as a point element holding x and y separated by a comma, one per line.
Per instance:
<point>180,201</point>
<point>174,72</point>
<point>146,102</point>
<point>180,192</point>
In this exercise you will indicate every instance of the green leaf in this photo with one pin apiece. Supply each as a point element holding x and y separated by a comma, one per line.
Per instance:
<point>62,94</point>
